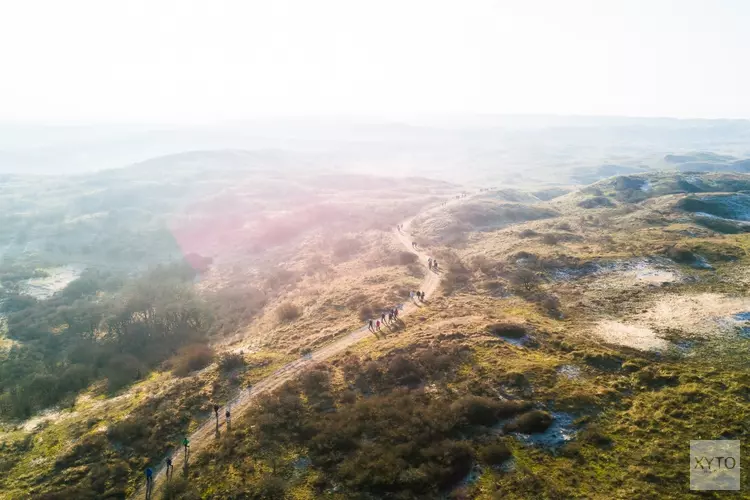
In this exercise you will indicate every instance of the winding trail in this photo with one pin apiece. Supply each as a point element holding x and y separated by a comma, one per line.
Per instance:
<point>206,433</point>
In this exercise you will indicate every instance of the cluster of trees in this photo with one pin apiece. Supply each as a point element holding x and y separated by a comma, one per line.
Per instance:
<point>100,326</point>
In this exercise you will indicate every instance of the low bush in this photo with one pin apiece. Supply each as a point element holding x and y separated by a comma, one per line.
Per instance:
<point>509,330</point>
<point>524,279</point>
<point>405,258</point>
<point>190,358</point>
<point>495,454</point>
<point>528,233</point>
<point>346,248</point>
<point>550,239</point>
<point>231,361</point>
<point>601,360</point>
<point>530,422</point>
<point>495,288</point>
<point>288,312</point>
<point>476,410</point>
<point>681,255</point>
<point>596,202</point>
<point>369,312</point>
<point>481,263</point>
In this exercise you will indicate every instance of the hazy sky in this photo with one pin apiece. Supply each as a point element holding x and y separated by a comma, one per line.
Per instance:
<point>216,60</point>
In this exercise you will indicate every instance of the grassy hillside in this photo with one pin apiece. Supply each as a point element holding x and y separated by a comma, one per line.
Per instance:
<point>603,350</point>
<point>596,332</point>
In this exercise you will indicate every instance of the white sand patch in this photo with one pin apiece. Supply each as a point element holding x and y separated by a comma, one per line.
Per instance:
<point>651,275</point>
<point>703,314</point>
<point>51,415</point>
<point>44,288</point>
<point>637,337</point>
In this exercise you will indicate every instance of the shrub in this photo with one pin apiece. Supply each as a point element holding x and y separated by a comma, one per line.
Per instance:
<point>564,226</point>
<point>231,361</point>
<point>528,233</point>
<point>121,370</point>
<point>530,422</point>
<point>550,239</point>
<point>179,488</point>
<point>346,248</point>
<point>405,258</point>
<point>476,410</point>
<point>494,287</point>
<point>495,454</point>
<point>481,263</point>
<point>369,312</point>
<point>525,279</point>
<point>596,202</point>
<point>287,312</point>
<point>270,488</point>
<point>190,358</point>
<point>681,255</point>
<point>509,330</point>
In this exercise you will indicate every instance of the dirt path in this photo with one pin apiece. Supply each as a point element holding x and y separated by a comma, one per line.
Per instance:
<point>206,433</point>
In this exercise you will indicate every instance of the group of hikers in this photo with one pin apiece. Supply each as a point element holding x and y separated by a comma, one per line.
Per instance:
<point>168,464</point>
<point>385,319</point>
<point>389,317</point>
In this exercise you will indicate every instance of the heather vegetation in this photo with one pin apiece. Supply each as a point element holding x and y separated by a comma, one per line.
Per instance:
<point>596,330</point>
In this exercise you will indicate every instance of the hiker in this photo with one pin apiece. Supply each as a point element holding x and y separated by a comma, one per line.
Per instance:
<point>186,444</point>
<point>390,316</point>
<point>370,326</point>
<point>382,318</point>
<point>429,263</point>
<point>377,325</point>
<point>395,313</point>
<point>149,482</point>
<point>411,295</point>
<point>227,414</point>
<point>421,296</point>
<point>170,467</point>
<point>434,265</point>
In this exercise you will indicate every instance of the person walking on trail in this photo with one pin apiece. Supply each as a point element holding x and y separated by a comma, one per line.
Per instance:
<point>170,467</point>
<point>377,325</point>
<point>149,481</point>
<point>186,444</point>
<point>382,318</point>
<point>228,415</point>
<point>369,326</point>
<point>390,316</point>
<point>434,265</point>
<point>429,263</point>
<point>216,412</point>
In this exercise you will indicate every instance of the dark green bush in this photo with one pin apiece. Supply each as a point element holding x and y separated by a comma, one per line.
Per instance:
<point>190,358</point>
<point>530,422</point>
<point>495,454</point>
<point>231,361</point>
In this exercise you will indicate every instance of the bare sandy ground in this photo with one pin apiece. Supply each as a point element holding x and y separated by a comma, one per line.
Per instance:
<point>637,337</point>
<point>704,314</point>
<point>700,315</point>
